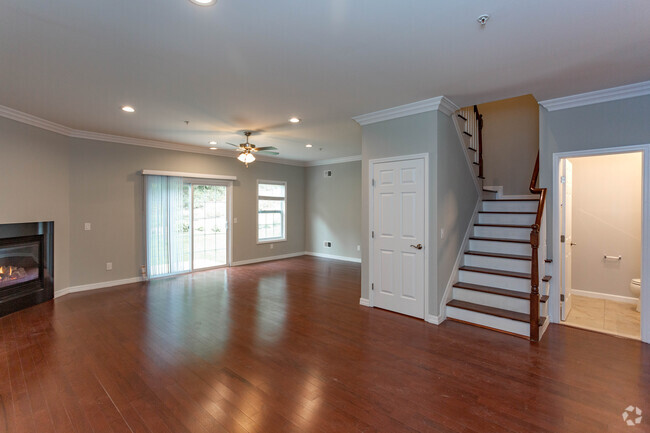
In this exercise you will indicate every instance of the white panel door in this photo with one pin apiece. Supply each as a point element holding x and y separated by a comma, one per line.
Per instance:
<point>398,244</point>
<point>567,232</point>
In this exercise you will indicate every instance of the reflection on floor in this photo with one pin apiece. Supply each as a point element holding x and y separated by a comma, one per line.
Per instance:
<point>601,315</point>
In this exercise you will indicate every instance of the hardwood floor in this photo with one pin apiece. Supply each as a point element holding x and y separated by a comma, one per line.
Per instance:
<point>286,347</point>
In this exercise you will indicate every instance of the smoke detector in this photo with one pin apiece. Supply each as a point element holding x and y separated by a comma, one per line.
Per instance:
<point>483,19</point>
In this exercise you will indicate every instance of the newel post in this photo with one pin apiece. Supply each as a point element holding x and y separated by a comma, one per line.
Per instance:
<point>534,285</point>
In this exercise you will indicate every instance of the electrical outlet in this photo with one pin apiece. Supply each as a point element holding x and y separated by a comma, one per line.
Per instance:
<point>358,247</point>
<point>442,233</point>
<point>87,226</point>
<point>271,246</point>
<point>234,220</point>
<point>109,266</point>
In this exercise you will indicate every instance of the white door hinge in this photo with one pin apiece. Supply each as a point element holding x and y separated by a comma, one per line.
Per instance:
<point>373,182</point>
<point>372,286</point>
<point>563,179</point>
<point>372,234</point>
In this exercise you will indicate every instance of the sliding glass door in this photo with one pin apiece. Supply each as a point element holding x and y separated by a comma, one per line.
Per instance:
<point>209,226</point>
<point>187,225</point>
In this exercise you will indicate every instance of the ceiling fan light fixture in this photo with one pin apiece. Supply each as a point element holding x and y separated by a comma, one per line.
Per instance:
<point>246,157</point>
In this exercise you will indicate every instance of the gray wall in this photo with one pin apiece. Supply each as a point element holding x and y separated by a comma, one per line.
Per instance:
<point>333,209</point>
<point>452,194</point>
<point>404,136</point>
<point>74,181</point>
<point>608,124</point>
<point>510,142</point>
<point>34,185</point>
<point>457,198</point>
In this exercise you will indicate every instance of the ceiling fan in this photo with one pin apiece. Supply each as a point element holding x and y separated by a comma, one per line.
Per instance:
<point>249,149</point>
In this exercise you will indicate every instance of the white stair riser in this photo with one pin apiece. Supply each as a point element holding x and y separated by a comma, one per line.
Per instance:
<point>500,247</point>
<point>497,263</point>
<point>502,232</point>
<point>510,206</point>
<point>492,300</point>
<point>505,218</point>
<point>512,326</point>
<point>500,281</point>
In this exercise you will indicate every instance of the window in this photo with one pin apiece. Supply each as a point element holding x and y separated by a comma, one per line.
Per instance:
<point>271,208</point>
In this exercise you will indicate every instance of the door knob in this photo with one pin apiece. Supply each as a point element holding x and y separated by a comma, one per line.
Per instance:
<point>572,244</point>
<point>417,247</point>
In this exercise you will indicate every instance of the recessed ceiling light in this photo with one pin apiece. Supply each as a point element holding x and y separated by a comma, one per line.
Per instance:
<point>128,109</point>
<point>294,120</point>
<point>213,142</point>
<point>204,2</point>
<point>307,145</point>
<point>213,148</point>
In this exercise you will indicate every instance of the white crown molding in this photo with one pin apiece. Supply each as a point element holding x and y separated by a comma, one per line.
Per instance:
<point>440,103</point>
<point>28,119</point>
<point>333,161</point>
<point>598,96</point>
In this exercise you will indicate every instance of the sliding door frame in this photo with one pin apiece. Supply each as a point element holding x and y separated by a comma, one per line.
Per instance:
<point>228,184</point>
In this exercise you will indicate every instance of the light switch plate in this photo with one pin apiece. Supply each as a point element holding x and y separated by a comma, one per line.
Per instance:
<point>86,226</point>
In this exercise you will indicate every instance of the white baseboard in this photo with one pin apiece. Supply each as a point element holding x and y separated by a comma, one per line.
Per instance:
<point>364,301</point>
<point>606,296</point>
<point>334,257</point>
<point>436,320</point>
<point>95,286</point>
<point>446,297</point>
<point>267,259</point>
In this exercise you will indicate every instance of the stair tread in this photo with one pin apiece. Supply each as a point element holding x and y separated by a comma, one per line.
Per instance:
<point>490,190</point>
<point>517,241</point>
<point>499,255</point>
<point>492,311</point>
<point>546,278</point>
<point>511,226</point>
<point>500,272</point>
<point>507,212</point>
<point>497,291</point>
<point>512,199</point>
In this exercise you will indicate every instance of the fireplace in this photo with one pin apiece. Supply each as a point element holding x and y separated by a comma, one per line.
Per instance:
<point>21,263</point>
<point>26,276</point>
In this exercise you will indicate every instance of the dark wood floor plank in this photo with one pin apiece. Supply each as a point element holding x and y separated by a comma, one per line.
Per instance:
<point>285,347</point>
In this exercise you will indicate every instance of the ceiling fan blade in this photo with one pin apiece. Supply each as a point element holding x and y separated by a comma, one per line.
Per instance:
<point>234,145</point>
<point>268,152</point>
<point>266,148</point>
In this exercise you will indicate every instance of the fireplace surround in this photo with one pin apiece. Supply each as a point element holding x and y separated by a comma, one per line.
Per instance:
<point>26,265</point>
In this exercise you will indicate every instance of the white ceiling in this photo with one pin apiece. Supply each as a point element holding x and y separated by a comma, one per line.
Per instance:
<point>245,64</point>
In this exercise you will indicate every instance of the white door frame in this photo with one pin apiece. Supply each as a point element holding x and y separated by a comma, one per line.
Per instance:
<point>554,300</point>
<point>371,241</point>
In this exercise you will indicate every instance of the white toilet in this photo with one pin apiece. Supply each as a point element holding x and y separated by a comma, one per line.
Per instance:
<point>635,288</point>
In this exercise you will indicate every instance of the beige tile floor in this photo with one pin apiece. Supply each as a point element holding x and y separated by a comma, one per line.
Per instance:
<point>611,317</point>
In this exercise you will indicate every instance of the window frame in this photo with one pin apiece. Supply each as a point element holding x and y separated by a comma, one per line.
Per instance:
<point>285,199</point>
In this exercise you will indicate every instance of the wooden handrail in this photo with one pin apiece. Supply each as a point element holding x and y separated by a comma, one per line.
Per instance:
<point>534,243</point>
<point>479,119</point>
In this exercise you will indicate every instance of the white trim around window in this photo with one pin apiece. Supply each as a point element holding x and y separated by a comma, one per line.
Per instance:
<point>284,212</point>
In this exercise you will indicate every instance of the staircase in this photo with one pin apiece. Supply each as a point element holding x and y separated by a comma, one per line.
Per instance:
<point>497,283</point>
<point>494,282</point>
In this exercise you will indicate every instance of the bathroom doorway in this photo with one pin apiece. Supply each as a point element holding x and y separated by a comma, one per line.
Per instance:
<point>599,208</point>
